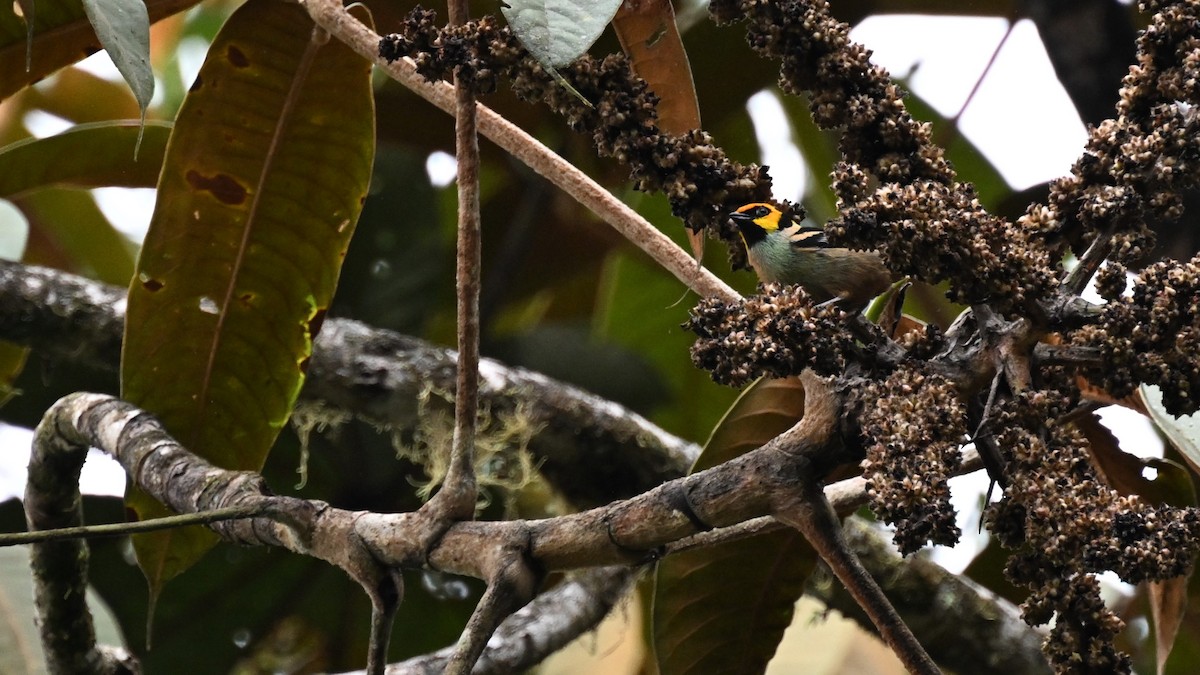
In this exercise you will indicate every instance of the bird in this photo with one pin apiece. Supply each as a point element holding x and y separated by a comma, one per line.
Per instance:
<point>787,252</point>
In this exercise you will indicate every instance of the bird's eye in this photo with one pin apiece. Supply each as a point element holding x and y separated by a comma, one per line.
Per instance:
<point>760,211</point>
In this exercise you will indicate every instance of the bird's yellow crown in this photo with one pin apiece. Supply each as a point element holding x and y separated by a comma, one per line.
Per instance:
<point>762,214</point>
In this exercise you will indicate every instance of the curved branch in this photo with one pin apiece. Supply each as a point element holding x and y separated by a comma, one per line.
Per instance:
<point>592,450</point>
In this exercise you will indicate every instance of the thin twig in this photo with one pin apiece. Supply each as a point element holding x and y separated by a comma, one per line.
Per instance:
<point>456,499</point>
<point>814,518</point>
<point>117,529</point>
<point>1078,278</point>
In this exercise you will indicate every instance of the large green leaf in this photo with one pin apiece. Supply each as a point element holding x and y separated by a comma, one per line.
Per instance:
<point>62,35</point>
<point>261,187</point>
<point>723,609</point>
<point>98,154</point>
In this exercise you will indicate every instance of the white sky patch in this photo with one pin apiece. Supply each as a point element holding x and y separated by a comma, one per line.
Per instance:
<point>1021,119</point>
<point>774,135</point>
<point>441,168</point>
<point>945,54</point>
<point>101,473</point>
<point>128,209</point>
<point>42,124</point>
<point>189,57</point>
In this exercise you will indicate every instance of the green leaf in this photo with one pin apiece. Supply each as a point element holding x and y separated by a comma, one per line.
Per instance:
<point>20,641</point>
<point>724,608</point>
<point>556,32</point>
<point>62,35</point>
<point>641,307</point>
<point>68,230</point>
<point>99,154</point>
<point>261,187</point>
<point>123,27</point>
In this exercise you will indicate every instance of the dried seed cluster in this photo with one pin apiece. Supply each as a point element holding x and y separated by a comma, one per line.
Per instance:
<point>703,184</point>
<point>778,334</point>
<point>1152,336</point>
<point>1058,555</point>
<point>1135,165</point>
<point>912,426</point>
<point>896,191</point>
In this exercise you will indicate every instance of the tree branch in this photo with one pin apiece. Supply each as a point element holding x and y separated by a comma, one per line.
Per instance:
<point>590,449</point>
<point>954,619</point>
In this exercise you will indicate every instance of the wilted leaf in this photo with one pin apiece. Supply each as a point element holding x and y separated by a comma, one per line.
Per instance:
<point>651,40</point>
<point>1168,601</point>
<point>723,609</point>
<point>261,187</point>
<point>1126,473</point>
<point>649,37</point>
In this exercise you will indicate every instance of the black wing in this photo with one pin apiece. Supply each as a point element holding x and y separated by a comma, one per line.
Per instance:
<point>808,237</point>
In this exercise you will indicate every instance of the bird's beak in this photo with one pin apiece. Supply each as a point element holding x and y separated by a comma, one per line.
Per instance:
<point>741,219</point>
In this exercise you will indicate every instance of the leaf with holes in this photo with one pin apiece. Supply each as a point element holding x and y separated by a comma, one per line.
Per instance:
<point>723,609</point>
<point>263,180</point>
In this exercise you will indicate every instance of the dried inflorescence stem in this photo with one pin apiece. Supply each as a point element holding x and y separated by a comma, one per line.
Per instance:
<point>1135,165</point>
<point>1066,526</point>
<point>1151,337</point>
<point>702,183</point>
<point>778,334</point>
<point>896,191</point>
<point>912,426</point>
<point>899,195</point>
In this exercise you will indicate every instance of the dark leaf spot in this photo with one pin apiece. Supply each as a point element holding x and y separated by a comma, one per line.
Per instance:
<point>197,84</point>
<point>314,324</point>
<point>236,57</point>
<point>222,186</point>
<point>304,364</point>
<point>152,285</point>
<point>247,299</point>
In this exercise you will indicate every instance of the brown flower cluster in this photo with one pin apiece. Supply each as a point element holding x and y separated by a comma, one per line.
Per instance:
<point>778,334</point>
<point>1058,555</point>
<point>846,90</point>
<point>703,184</point>
<point>1135,165</point>
<point>896,191</point>
<point>912,426</point>
<point>1152,337</point>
